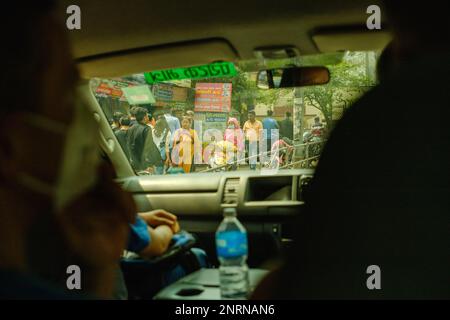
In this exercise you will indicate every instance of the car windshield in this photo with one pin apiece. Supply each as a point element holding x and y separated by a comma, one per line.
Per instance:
<point>224,121</point>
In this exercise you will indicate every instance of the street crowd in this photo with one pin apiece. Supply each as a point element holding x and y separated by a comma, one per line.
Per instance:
<point>161,143</point>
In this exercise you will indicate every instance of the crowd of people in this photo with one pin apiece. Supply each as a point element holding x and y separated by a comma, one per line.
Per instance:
<point>149,141</point>
<point>161,143</point>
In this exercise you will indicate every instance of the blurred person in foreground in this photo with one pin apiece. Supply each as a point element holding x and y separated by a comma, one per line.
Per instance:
<point>44,174</point>
<point>383,231</point>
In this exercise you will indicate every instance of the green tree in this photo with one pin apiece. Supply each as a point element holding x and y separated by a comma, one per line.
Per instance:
<point>350,78</point>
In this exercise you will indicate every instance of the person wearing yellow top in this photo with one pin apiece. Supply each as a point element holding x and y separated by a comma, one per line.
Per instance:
<point>186,146</point>
<point>252,130</point>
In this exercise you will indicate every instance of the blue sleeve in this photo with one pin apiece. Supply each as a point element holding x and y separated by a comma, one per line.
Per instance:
<point>272,124</point>
<point>264,123</point>
<point>139,237</point>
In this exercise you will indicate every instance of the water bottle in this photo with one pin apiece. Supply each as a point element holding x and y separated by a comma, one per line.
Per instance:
<point>232,250</point>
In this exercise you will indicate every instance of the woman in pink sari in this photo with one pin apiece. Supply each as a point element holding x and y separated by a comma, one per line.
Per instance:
<point>235,135</point>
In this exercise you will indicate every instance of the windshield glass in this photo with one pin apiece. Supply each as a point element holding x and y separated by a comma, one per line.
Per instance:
<point>215,118</point>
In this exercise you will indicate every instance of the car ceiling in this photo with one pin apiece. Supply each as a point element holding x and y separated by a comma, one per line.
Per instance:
<point>114,27</point>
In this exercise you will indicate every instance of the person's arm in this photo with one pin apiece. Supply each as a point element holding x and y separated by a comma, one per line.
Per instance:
<point>177,123</point>
<point>167,144</point>
<point>160,241</point>
<point>159,217</point>
<point>152,232</point>
<point>176,137</point>
<point>197,148</point>
<point>245,128</point>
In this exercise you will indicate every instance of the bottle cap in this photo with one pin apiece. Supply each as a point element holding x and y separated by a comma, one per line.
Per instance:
<point>229,212</point>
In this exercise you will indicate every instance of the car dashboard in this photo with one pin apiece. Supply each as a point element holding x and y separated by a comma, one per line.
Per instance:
<point>267,205</point>
<point>207,194</point>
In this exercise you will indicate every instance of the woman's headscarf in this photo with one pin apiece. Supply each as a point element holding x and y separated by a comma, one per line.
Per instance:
<point>235,135</point>
<point>235,122</point>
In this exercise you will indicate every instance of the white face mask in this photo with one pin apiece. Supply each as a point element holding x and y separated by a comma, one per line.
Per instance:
<point>80,158</point>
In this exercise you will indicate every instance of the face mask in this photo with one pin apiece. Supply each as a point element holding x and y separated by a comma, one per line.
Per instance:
<point>231,127</point>
<point>80,158</point>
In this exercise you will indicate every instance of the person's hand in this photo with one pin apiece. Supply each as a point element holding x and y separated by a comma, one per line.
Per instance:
<point>96,224</point>
<point>161,217</point>
<point>176,227</point>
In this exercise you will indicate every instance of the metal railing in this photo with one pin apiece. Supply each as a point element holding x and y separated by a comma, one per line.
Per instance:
<point>294,146</point>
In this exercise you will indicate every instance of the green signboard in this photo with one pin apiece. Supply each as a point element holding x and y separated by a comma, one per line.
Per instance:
<point>214,70</point>
<point>138,95</point>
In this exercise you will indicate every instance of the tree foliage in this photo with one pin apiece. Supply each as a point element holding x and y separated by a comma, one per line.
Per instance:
<point>352,74</point>
<point>350,78</point>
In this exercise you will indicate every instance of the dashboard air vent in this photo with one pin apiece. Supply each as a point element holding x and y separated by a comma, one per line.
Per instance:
<point>230,192</point>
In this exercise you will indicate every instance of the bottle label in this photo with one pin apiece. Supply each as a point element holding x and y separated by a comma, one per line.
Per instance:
<point>231,244</point>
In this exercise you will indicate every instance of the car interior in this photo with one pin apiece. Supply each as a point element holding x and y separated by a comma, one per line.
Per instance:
<point>120,39</point>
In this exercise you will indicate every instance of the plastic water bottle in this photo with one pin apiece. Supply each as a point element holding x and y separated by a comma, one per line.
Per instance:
<point>232,250</point>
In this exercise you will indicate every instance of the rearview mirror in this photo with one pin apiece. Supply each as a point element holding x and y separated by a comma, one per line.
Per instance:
<point>292,77</point>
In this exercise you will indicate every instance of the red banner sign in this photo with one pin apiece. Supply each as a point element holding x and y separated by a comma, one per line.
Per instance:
<point>112,88</point>
<point>213,97</point>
